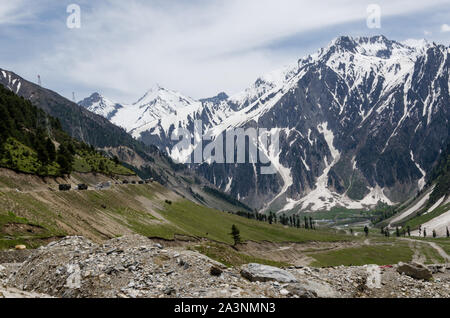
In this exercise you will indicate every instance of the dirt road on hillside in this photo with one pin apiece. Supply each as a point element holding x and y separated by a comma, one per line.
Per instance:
<point>438,249</point>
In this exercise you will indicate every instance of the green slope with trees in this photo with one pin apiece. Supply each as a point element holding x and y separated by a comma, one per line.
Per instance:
<point>33,142</point>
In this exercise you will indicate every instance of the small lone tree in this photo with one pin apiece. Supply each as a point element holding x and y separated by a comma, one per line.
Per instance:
<point>366,230</point>
<point>434,234</point>
<point>409,230</point>
<point>397,231</point>
<point>236,235</point>
<point>424,232</point>
<point>448,232</point>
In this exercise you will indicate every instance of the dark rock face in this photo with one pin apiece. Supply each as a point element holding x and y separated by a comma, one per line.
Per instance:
<point>389,124</point>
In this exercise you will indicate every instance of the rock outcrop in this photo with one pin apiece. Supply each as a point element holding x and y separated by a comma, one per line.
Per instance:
<point>415,270</point>
<point>264,273</point>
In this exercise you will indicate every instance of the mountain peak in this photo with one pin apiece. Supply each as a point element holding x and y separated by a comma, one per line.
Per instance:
<point>375,46</point>
<point>344,43</point>
<point>88,101</point>
<point>216,99</point>
<point>153,93</point>
<point>156,88</point>
<point>98,104</point>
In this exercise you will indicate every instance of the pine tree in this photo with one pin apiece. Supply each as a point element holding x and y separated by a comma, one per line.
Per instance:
<point>397,231</point>
<point>50,147</point>
<point>42,154</point>
<point>434,234</point>
<point>448,232</point>
<point>366,230</point>
<point>306,223</point>
<point>409,230</point>
<point>236,235</point>
<point>64,159</point>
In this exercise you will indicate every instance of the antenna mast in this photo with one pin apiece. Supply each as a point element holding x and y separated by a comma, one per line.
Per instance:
<point>39,80</point>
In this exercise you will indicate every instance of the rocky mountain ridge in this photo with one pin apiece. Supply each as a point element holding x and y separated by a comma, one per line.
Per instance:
<point>360,121</point>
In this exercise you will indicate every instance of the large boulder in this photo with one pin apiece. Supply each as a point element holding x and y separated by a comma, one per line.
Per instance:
<point>312,289</point>
<point>264,273</point>
<point>414,270</point>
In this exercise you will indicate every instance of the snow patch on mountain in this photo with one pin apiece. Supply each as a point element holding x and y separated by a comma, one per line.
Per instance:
<point>13,84</point>
<point>422,181</point>
<point>273,154</point>
<point>439,224</point>
<point>321,197</point>
<point>412,209</point>
<point>436,205</point>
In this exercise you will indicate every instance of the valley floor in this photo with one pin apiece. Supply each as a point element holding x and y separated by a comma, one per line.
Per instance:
<point>137,267</point>
<point>147,241</point>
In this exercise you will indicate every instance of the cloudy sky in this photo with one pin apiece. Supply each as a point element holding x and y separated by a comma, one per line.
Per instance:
<point>197,47</point>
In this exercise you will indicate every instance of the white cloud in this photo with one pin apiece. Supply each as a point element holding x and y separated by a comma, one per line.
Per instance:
<point>197,47</point>
<point>19,11</point>
<point>445,28</point>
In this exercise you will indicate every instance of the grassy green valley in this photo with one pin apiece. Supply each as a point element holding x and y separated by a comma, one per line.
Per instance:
<point>37,217</point>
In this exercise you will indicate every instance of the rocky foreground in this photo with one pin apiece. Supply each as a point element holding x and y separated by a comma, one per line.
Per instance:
<point>134,266</point>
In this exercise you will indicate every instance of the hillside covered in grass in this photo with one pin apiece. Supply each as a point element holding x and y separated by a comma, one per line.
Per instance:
<point>36,218</point>
<point>150,210</point>
<point>33,142</point>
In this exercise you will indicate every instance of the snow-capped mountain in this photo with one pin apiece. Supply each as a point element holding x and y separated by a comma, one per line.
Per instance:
<point>100,105</point>
<point>360,121</point>
<point>155,115</point>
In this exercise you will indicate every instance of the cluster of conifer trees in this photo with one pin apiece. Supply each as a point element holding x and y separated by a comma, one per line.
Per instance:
<point>30,126</point>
